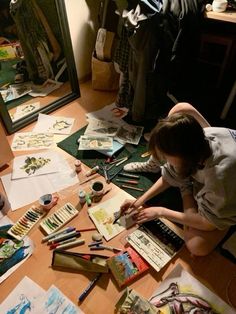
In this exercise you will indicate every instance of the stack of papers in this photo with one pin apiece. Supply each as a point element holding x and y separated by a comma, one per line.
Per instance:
<point>108,123</point>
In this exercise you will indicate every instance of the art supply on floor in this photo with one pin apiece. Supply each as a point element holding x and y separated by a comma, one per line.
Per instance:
<point>106,174</point>
<point>88,179</point>
<point>92,171</point>
<point>123,160</point>
<point>64,236</point>
<point>47,201</point>
<point>131,187</point>
<point>59,218</point>
<point>128,181</point>
<point>127,266</point>
<point>99,247</point>
<point>71,244</point>
<point>156,242</point>
<point>22,227</point>
<point>88,199</point>
<point>89,288</point>
<point>82,198</point>
<point>97,236</point>
<point>77,165</point>
<point>146,154</point>
<point>54,234</point>
<point>129,175</point>
<point>97,189</point>
<point>55,245</point>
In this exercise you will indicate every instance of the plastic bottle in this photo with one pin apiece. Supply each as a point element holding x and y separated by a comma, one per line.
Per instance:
<point>82,198</point>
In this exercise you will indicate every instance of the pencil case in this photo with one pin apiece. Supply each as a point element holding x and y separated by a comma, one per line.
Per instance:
<point>66,260</point>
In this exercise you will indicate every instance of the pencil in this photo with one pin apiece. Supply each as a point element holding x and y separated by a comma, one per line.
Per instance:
<point>131,187</point>
<point>87,229</point>
<point>71,244</point>
<point>127,181</point>
<point>89,288</point>
<point>123,174</point>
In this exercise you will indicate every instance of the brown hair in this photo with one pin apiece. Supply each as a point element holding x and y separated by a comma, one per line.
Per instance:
<point>180,135</point>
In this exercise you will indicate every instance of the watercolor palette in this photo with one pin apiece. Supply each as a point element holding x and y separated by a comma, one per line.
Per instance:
<point>20,229</point>
<point>59,218</point>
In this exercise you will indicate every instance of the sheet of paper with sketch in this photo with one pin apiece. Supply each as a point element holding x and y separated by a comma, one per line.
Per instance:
<point>54,124</point>
<point>103,216</point>
<point>34,164</point>
<point>91,142</point>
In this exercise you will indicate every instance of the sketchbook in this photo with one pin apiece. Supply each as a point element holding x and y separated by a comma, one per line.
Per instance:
<point>156,242</point>
<point>102,216</point>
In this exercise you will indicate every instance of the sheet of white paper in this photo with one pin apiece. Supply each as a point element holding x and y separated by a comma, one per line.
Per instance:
<point>24,298</point>
<point>32,140</point>
<point>25,110</point>
<point>102,216</point>
<point>54,124</point>
<point>182,290</point>
<point>109,113</point>
<point>29,247</point>
<point>31,165</point>
<point>24,191</point>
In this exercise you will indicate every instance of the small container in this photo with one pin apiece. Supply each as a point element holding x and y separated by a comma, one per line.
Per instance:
<point>82,198</point>
<point>92,171</point>
<point>77,166</point>
<point>97,188</point>
<point>219,5</point>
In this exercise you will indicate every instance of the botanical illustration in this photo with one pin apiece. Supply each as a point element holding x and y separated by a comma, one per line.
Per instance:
<point>24,110</point>
<point>53,124</point>
<point>34,165</point>
<point>32,140</point>
<point>101,127</point>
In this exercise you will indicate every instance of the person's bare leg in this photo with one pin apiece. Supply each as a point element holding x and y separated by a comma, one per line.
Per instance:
<point>201,243</point>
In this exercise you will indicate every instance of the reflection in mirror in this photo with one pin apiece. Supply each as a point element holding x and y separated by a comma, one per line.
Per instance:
<point>37,68</point>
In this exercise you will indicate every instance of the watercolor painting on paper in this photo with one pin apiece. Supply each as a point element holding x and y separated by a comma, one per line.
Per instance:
<point>32,141</point>
<point>54,124</point>
<point>34,165</point>
<point>182,293</point>
<point>103,216</point>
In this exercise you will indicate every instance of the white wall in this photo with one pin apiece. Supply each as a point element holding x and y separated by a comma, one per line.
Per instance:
<point>83,23</point>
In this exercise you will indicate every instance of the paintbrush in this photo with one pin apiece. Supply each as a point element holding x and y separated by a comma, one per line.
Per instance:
<point>119,214</point>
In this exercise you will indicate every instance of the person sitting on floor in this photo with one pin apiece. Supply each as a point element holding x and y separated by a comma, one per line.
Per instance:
<point>201,161</point>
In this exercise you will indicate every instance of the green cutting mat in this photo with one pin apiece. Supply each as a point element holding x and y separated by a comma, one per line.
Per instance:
<point>93,158</point>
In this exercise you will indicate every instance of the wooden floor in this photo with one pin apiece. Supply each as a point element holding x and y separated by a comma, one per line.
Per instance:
<point>214,271</point>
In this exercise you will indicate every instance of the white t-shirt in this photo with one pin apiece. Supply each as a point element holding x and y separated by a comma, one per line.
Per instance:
<point>214,186</point>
